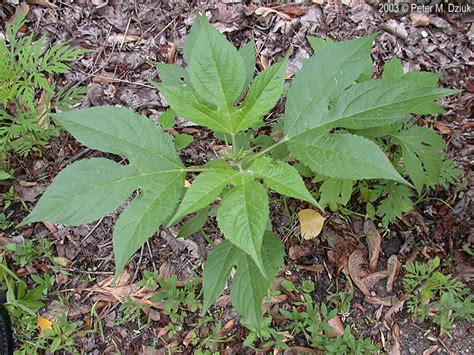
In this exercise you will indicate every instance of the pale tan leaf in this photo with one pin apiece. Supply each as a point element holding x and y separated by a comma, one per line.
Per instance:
<point>311,223</point>
<point>419,19</point>
<point>265,11</point>
<point>374,243</point>
<point>44,3</point>
<point>356,272</point>
<point>380,301</point>
<point>432,349</point>
<point>393,267</point>
<point>337,326</point>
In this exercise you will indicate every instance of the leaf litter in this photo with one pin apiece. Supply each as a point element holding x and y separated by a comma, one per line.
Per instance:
<point>153,32</point>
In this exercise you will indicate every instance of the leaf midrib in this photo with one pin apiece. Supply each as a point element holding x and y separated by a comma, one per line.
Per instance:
<point>315,96</point>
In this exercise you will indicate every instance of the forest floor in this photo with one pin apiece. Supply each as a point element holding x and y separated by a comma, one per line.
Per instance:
<point>126,38</point>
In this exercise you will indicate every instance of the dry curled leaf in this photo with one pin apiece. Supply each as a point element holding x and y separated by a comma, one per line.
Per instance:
<point>356,272</point>
<point>372,279</point>
<point>393,267</point>
<point>374,243</point>
<point>311,223</point>
<point>265,11</point>
<point>397,307</point>
<point>44,3</point>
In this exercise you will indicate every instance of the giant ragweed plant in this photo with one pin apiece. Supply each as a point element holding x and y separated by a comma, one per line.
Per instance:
<point>333,116</point>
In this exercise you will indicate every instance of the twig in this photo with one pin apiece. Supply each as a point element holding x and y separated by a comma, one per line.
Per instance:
<point>91,231</point>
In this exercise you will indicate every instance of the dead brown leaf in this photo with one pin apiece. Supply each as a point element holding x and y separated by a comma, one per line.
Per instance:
<point>440,126</point>
<point>419,19</point>
<point>356,272</point>
<point>265,11</point>
<point>394,347</point>
<point>299,251</point>
<point>393,267</point>
<point>312,268</point>
<point>432,349</point>
<point>383,301</point>
<point>297,350</point>
<point>372,279</point>
<point>397,307</point>
<point>291,10</point>
<point>44,3</point>
<point>374,243</point>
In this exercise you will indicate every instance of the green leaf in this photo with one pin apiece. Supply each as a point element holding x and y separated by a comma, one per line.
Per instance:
<point>376,103</point>
<point>322,78</point>
<point>449,173</point>
<point>282,178</point>
<point>263,94</point>
<point>5,175</point>
<point>318,44</point>
<point>396,202</point>
<point>172,74</point>
<point>89,189</point>
<point>247,52</point>
<point>168,118</point>
<point>335,192</point>
<point>217,268</point>
<point>393,70</point>
<point>85,191</point>
<point>344,156</point>
<point>242,217</point>
<point>185,102</point>
<point>215,67</point>
<point>422,155</point>
<point>249,286</point>
<point>194,224</point>
<point>144,215</point>
<point>182,140</point>
<point>205,189</point>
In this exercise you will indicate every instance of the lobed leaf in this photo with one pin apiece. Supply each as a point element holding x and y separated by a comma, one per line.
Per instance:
<point>422,155</point>
<point>89,189</point>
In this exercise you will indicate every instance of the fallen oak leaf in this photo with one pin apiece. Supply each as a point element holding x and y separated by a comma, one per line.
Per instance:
<point>374,243</point>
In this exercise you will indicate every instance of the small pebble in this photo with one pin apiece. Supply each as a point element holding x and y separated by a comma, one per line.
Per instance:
<point>424,34</point>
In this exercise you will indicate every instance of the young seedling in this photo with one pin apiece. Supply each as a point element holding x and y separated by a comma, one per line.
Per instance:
<point>331,106</point>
